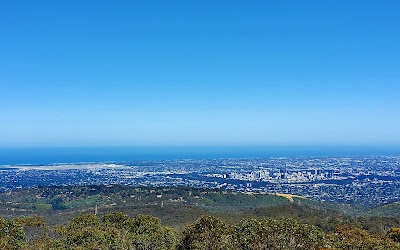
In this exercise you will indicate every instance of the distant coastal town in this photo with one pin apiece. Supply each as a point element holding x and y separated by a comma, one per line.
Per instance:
<point>367,181</point>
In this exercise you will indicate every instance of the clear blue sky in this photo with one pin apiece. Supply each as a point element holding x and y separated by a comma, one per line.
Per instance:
<point>99,73</point>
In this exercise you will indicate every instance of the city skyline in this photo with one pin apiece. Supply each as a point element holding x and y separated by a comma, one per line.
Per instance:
<point>207,73</point>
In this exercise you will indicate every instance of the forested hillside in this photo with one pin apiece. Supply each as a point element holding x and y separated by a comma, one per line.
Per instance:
<point>121,217</point>
<point>179,206</point>
<point>119,231</point>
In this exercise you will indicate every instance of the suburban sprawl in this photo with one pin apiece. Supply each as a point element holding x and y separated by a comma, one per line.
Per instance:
<point>369,181</point>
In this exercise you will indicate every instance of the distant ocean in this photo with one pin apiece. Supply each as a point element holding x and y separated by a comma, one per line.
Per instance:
<point>47,155</point>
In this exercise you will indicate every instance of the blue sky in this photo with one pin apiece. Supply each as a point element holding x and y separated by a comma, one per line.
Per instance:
<point>103,73</point>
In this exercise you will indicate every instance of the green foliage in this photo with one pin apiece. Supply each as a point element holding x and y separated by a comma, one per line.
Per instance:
<point>394,234</point>
<point>118,231</point>
<point>218,202</point>
<point>182,205</point>
<point>58,204</point>
<point>87,232</point>
<point>206,233</point>
<point>147,233</point>
<point>118,220</point>
<point>35,227</point>
<point>237,221</point>
<point>84,221</point>
<point>11,235</point>
<point>351,237</point>
<point>115,231</point>
<point>276,234</point>
<point>392,210</point>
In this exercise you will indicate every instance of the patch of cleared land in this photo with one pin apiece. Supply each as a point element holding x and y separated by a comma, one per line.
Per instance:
<point>290,196</point>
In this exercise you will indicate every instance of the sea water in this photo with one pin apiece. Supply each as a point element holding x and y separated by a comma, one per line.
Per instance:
<point>50,155</point>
